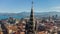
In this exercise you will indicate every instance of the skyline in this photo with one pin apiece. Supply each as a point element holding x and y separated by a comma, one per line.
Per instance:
<point>17,6</point>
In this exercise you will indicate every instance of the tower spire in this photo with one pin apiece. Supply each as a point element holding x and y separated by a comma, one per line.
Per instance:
<point>32,3</point>
<point>30,25</point>
<point>32,13</point>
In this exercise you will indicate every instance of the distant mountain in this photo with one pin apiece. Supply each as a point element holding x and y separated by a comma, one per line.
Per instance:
<point>40,14</point>
<point>27,14</point>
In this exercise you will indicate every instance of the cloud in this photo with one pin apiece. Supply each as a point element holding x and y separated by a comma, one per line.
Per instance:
<point>56,9</point>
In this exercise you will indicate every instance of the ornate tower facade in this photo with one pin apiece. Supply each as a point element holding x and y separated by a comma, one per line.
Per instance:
<point>30,26</point>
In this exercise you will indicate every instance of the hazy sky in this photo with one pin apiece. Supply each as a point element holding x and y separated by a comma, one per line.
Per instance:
<point>15,6</point>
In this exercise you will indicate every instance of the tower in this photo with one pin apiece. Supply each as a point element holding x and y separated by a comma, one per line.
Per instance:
<point>30,26</point>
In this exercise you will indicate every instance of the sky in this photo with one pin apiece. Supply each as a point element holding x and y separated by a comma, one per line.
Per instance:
<point>17,6</point>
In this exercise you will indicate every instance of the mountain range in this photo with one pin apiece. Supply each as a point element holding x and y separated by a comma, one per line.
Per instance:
<point>27,14</point>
